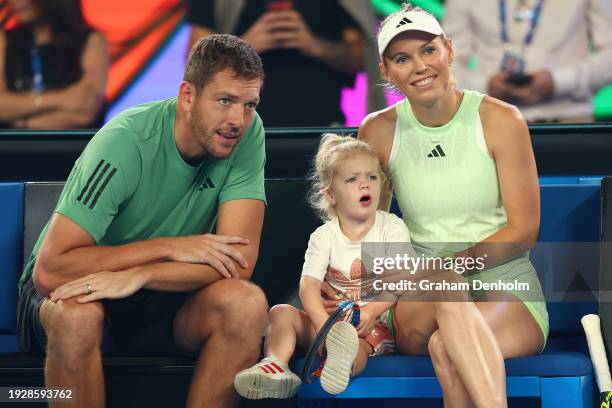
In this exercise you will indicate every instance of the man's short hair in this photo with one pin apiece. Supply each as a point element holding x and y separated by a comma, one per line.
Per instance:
<point>215,53</point>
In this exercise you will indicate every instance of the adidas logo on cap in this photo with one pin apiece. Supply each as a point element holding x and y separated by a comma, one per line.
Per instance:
<point>404,21</point>
<point>437,152</point>
<point>410,20</point>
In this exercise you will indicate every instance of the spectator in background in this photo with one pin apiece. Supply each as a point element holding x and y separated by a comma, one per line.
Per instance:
<point>310,50</point>
<point>548,58</point>
<point>53,67</point>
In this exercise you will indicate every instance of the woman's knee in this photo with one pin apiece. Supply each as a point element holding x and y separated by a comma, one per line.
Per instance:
<point>452,310</point>
<point>435,345</point>
<point>438,353</point>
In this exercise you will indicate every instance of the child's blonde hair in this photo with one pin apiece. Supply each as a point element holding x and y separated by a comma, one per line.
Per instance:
<point>332,149</point>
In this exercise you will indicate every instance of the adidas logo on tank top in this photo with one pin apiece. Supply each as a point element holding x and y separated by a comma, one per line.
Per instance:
<point>437,152</point>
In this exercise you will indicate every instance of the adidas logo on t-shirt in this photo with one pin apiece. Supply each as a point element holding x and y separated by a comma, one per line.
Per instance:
<point>437,152</point>
<point>404,21</point>
<point>206,184</point>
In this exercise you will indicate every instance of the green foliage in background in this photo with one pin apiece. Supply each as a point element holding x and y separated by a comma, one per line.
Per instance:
<point>602,100</point>
<point>386,7</point>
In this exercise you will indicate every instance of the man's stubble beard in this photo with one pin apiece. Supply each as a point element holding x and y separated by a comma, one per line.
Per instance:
<point>203,135</point>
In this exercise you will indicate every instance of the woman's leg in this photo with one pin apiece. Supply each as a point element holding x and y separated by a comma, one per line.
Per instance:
<point>454,391</point>
<point>415,324</point>
<point>516,330</point>
<point>289,327</point>
<point>516,333</point>
<point>468,350</point>
<point>465,340</point>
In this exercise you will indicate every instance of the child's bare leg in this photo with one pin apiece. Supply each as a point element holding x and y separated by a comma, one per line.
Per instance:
<point>364,351</point>
<point>272,377</point>
<point>289,327</point>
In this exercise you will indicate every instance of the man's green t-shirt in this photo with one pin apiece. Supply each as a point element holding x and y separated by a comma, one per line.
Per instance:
<point>131,184</point>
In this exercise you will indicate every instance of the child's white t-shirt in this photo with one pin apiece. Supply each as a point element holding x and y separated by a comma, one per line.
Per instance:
<point>332,257</point>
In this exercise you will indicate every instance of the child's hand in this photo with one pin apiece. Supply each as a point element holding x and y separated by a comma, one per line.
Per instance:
<point>366,322</point>
<point>331,298</point>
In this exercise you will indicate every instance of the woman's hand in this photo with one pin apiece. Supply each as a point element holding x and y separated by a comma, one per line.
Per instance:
<point>367,321</point>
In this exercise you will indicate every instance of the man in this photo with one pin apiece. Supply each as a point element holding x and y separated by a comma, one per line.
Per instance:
<point>311,50</point>
<point>128,263</point>
<point>546,57</point>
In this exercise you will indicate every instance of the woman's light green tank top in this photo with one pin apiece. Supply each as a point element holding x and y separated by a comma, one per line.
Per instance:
<point>445,179</point>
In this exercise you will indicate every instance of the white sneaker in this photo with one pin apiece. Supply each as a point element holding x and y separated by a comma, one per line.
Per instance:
<point>342,344</point>
<point>269,378</point>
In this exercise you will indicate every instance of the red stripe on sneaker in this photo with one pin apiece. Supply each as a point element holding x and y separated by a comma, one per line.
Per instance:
<point>264,369</point>
<point>280,370</point>
<point>270,368</point>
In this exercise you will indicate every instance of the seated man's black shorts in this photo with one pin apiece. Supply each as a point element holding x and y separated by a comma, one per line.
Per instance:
<point>139,325</point>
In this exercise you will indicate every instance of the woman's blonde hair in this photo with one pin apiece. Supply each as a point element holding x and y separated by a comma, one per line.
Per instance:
<point>333,149</point>
<point>406,7</point>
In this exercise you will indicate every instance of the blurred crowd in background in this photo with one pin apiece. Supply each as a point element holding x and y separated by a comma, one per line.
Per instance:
<point>76,63</point>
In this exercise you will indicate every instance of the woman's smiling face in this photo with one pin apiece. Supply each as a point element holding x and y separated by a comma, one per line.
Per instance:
<point>417,63</point>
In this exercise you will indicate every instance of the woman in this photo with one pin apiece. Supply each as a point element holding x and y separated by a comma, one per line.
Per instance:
<point>463,172</point>
<point>53,67</point>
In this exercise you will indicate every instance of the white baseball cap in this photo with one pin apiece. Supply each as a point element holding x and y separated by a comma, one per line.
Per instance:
<point>407,21</point>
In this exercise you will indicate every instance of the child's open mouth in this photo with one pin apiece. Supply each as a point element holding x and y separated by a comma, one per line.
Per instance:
<point>365,200</point>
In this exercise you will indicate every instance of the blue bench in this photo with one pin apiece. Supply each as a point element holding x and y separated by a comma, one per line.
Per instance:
<point>561,376</point>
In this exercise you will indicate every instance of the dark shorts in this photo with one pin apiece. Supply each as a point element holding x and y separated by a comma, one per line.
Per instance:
<point>140,325</point>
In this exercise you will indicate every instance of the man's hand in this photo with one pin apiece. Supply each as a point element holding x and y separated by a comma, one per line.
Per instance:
<point>260,34</point>
<point>214,250</point>
<point>498,87</point>
<point>282,29</point>
<point>367,321</point>
<point>291,31</point>
<point>540,88</point>
<point>101,285</point>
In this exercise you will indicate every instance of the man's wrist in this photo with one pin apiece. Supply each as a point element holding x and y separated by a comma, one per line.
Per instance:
<point>143,273</point>
<point>164,247</point>
<point>319,48</point>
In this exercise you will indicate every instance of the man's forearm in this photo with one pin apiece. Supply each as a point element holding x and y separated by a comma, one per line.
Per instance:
<point>53,271</point>
<point>338,55</point>
<point>178,276</point>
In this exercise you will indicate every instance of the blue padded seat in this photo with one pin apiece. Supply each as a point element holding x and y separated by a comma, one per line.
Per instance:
<point>11,229</point>
<point>11,220</point>
<point>550,364</point>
